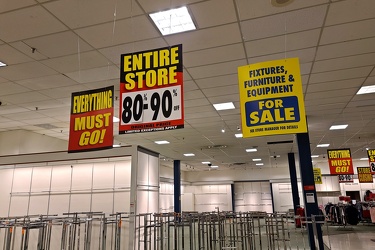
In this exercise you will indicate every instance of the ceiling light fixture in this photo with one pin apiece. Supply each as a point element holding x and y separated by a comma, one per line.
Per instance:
<point>366,90</point>
<point>2,64</point>
<point>206,162</point>
<point>314,156</point>
<point>259,164</point>
<point>224,106</point>
<point>162,142</point>
<point>189,154</point>
<point>257,159</point>
<point>173,21</point>
<point>363,159</point>
<point>223,130</point>
<point>251,150</point>
<point>115,119</point>
<point>238,135</point>
<point>323,145</point>
<point>337,127</point>
<point>214,166</point>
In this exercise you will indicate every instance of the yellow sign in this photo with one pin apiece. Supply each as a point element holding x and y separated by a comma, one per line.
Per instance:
<point>271,98</point>
<point>364,175</point>
<point>317,176</point>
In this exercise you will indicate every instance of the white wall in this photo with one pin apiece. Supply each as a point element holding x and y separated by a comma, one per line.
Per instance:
<point>99,186</point>
<point>25,142</point>
<point>253,196</point>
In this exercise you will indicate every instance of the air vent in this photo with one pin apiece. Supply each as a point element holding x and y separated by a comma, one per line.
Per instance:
<point>216,146</point>
<point>46,126</point>
<point>279,142</point>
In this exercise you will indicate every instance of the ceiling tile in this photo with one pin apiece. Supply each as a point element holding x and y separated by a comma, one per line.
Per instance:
<point>350,11</point>
<point>213,13</point>
<point>196,102</point>
<point>216,69</point>
<point>11,109</point>
<point>304,55</point>
<point>349,48</point>
<point>82,61</point>
<point>96,74</point>
<point>344,62</point>
<point>339,33</point>
<point>77,14</point>
<point>217,81</point>
<point>340,74</point>
<point>285,23</point>
<point>195,94</point>
<point>50,45</point>
<point>258,8</point>
<point>8,5</point>
<point>8,88</point>
<point>210,37</point>
<point>214,55</point>
<point>125,31</point>
<point>11,56</point>
<point>27,50</point>
<point>26,70</point>
<point>114,53</point>
<point>63,92</point>
<point>278,44</point>
<point>344,84</point>
<point>47,82</point>
<point>155,6</point>
<point>25,97</point>
<point>27,23</point>
<point>218,91</point>
<point>328,94</point>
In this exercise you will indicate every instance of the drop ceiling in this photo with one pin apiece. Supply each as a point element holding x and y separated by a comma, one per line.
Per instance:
<point>53,48</point>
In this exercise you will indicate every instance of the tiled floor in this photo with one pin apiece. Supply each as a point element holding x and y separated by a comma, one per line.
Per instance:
<point>351,240</point>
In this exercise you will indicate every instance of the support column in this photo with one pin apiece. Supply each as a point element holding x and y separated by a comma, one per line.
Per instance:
<point>293,181</point>
<point>177,185</point>
<point>308,187</point>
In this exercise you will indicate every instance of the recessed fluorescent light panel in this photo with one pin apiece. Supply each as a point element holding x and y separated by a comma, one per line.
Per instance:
<point>173,21</point>
<point>259,164</point>
<point>206,162</point>
<point>189,154</point>
<point>314,156</point>
<point>238,135</point>
<point>366,90</point>
<point>251,150</point>
<point>2,64</point>
<point>257,159</point>
<point>322,145</point>
<point>336,127</point>
<point>162,142</point>
<point>214,166</point>
<point>224,106</point>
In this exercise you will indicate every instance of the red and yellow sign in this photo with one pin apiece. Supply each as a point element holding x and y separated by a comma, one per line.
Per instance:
<point>151,89</point>
<point>91,120</point>
<point>364,175</point>
<point>271,98</point>
<point>340,162</point>
<point>371,160</point>
<point>317,176</point>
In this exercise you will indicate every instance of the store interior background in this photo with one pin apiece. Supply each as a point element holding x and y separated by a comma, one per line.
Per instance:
<point>53,48</point>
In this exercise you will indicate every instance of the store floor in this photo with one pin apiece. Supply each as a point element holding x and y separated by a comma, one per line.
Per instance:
<point>357,237</point>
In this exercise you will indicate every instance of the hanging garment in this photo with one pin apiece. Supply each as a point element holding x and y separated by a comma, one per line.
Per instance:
<point>351,215</point>
<point>372,213</point>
